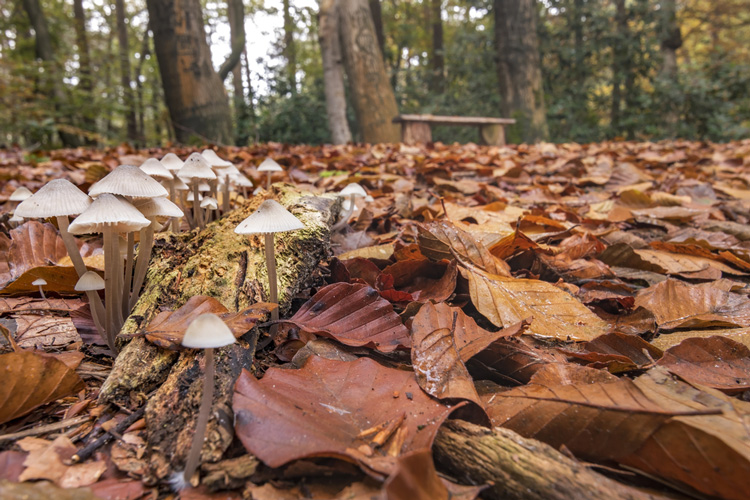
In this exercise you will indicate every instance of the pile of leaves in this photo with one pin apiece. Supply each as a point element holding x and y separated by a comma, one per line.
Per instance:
<point>591,297</point>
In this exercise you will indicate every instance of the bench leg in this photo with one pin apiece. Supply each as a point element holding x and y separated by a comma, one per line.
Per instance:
<point>415,132</point>
<point>492,135</point>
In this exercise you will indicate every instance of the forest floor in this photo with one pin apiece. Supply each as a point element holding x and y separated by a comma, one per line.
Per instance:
<point>591,297</point>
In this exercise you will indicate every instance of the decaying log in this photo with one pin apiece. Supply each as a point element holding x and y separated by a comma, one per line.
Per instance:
<point>231,268</point>
<point>520,468</point>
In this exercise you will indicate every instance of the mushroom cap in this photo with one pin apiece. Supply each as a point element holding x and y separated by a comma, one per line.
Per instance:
<point>20,194</point>
<point>196,167</point>
<point>229,171</point>
<point>90,281</point>
<point>269,165</point>
<point>207,331</point>
<point>190,196</point>
<point>270,217</point>
<point>214,160</point>
<point>209,203</point>
<point>16,218</point>
<point>57,197</point>
<point>158,207</point>
<point>354,189</point>
<point>109,211</point>
<point>39,282</point>
<point>179,184</point>
<point>241,180</point>
<point>203,187</point>
<point>156,169</point>
<point>172,162</point>
<point>128,180</point>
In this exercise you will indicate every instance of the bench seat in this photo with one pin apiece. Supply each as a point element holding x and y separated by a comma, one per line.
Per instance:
<point>416,128</point>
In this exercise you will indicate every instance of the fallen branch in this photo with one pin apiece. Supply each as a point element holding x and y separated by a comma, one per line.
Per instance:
<point>90,448</point>
<point>43,429</point>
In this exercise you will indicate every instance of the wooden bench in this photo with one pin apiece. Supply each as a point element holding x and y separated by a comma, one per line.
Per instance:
<point>416,128</point>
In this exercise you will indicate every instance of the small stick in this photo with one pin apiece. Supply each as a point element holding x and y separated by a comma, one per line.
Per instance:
<point>42,429</point>
<point>90,448</point>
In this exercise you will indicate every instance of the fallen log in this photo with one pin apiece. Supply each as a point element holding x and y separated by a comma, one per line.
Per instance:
<point>520,468</point>
<point>230,268</point>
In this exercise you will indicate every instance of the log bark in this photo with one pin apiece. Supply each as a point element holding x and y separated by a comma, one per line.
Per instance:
<point>520,468</point>
<point>229,267</point>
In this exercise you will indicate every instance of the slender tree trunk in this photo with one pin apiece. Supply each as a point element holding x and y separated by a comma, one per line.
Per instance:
<point>377,19</point>
<point>437,61</point>
<point>619,63</point>
<point>372,94</point>
<point>236,15</point>
<point>519,67</point>
<point>250,97</point>
<point>195,96</point>
<point>127,90</point>
<point>44,52</point>
<point>141,105</point>
<point>84,67</point>
<point>671,40</point>
<point>580,55</point>
<point>290,51</point>
<point>333,71</point>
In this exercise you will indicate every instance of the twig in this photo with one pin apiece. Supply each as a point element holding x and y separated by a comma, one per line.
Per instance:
<point>90,448</point>
<point>42,429</point>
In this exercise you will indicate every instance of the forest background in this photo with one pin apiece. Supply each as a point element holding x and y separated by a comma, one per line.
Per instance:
<point>86,72</point>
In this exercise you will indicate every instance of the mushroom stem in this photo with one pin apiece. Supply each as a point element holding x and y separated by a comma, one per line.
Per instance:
<point>345,217</point>
<point>268,181</point>
<point>109,286</point>
<point>128,274</point>
<point>144,256</point>
<point>225,197</point>
<point>119,272</point>
<point>204,412</point>
<point>173,199</point>
<point>272,283</point>
<point>95,302</point>
<point>183,205</point>
<point>197,212</point>
<point>41,292</point>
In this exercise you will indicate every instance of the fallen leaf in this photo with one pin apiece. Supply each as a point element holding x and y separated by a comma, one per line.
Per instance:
<point>554,313</point>
<point>46,461</point>
<point>511,361</point>
<point>353,314</point>
<point>30,380</point>
<point>47,331</point>
<point>34,244</point>
<point>716,362</point>
<point>43,491</point>
<point>323,408</point>
<point>61,280</point>
<point>441,239</point>
<point>667,340</point>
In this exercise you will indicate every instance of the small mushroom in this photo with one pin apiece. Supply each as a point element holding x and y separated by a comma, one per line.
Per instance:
<point>207,332</point>
<point>40,283</point>
<point>269,166</point>
<point>90,282</point>
<point>270,218</point>
<point>352,191</point>
<point>195,170</point>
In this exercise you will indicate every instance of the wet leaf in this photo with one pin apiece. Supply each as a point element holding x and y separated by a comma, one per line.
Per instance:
<point>353,314</point>
<point>30,380</point>
<point>335,409</point>
<point>667,340</point>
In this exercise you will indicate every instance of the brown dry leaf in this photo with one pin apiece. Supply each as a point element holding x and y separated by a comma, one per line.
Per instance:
<point>600,421</point>
<point>323,408</point>
<point>441,239</point>
<point>716,362</point>
<point>353,314</point>
<point>676,304</point>
<point>554,313</point>
<point>34,244</point>
<point>435,355</point>
<point>21,304</point>
<point>168,328</point>
<point>511,362</point>
<point>59,279</point>
<point>667,340</point>
<point>45,461</point>
<point>616,351</point>
<point>118,489</point>
<point>423,279</point>
<point>556,374</point>
<point>47,331</point>
<point>665,262</point>
<point>415,478</point>
<point>30,380</point>
<point>710,453</point>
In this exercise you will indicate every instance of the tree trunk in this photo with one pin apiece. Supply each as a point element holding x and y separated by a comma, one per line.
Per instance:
<point>333,71</point>
<point>236,17</point>
<point>377,19</point>
<point>127,90</point>
<point>437,60</point>
<point>141,105</point>
<point>195,96</point>
<point>671,40</point>
<point>290,51</point>
<point>619,64</point>
<point>519,67</point>
<point>374,102</point>
<point>521,469</point>
<point>84,67</point>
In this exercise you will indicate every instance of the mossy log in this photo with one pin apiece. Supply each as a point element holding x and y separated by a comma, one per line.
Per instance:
<point>520,468</point>
<point>231,268</point>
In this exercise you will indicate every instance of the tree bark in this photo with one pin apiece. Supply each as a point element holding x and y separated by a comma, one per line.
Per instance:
<point>437,60</point>
<point>84,66</point>
<point>333,71</point>
<point>236,17</point>
<point>290,51</point>
<point>127,90</point>
<point>520,468</point>
<point>377,19</point>
<point>198,105</point>
<point>671,41</point>
<point>619,63</point>
<point>372,94</point>
<point>519,67</point>
<point>230,268</point>
<point>141,105</point>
